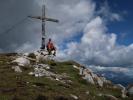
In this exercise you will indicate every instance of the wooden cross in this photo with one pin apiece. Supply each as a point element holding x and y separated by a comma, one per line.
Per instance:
<point>43,18</point>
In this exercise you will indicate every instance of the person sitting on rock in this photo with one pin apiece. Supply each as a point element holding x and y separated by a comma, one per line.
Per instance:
<point>51,47</point>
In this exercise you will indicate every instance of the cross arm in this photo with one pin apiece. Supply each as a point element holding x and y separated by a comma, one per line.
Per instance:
<point>52,20</point>
<point>35,17</point>
<point>44,18</point>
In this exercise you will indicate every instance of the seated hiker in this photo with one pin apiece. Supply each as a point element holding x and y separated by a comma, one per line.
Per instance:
<point>51,47</point>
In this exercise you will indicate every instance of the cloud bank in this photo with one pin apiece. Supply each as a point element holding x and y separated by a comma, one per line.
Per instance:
<point>81,35</point>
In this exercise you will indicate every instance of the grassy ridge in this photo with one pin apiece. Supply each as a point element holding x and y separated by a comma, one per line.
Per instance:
<point>21,86</point>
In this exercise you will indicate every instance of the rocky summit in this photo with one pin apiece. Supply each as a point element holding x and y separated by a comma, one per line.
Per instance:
<point>38,76</point>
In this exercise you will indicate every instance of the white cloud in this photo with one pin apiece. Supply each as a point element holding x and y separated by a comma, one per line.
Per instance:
<point>106,12</point>
<point>73,16</point>
<point>27,47</point>
<point>113,69</point>
<point>124,70</point>
<point>96,46</point>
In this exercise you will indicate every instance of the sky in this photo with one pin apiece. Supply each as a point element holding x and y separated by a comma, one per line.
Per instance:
<point>93,32</point>
<point>122,28</point>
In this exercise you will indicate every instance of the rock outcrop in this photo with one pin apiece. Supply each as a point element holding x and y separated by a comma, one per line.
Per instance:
<point>92,78</point>
<point>17,69</point>
<point>130,90</point>
<point>22,61</point>
<point>123,90</point>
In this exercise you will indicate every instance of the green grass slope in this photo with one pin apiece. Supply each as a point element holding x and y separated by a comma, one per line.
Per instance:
<point>21,86</point>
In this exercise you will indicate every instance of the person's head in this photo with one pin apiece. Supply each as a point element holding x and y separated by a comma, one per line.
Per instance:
<point>49,39</point>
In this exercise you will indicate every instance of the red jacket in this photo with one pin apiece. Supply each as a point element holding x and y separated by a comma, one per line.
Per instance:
<point>50,46</point>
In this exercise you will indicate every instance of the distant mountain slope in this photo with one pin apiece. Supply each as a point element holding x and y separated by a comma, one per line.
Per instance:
<point>117,77</point>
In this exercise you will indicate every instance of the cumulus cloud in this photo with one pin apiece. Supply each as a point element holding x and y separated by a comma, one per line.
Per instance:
<point>108,15</point>
<point>95,46</point>
<point>12,13</point>
<point>112,69</point>
<point>73,16</point>
<point>27,47</point>
<point>99,48</point>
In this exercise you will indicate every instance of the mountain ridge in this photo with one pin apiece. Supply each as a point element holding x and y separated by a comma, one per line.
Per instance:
<point>33,76</point>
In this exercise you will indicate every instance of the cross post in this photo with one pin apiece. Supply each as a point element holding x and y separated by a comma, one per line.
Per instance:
<point>43,18</point>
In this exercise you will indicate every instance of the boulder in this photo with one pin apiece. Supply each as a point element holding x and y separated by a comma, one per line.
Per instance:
<point>81,71</point>
<point>99,81</point>
<point>120,86</point>
<point>76,67</point>
<point>22,61</point>
<point>41,70</point>
<point>130,90</point>
<point>105,80</point>
<point>17,69</point>
<point>45,66</point>
<point>87,92</point>
<point>31,55</point>
<point>123,90</point>
<point>74,97</point>
<point>31,73</point>
<point>89,78</point>
<point>41,55</point>
<point>110,97</point>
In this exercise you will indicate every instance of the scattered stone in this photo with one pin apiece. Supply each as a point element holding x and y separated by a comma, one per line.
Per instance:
<point>99,81</point>
<point>31,73</point>
<point>57,79</point>
<point>123,95</point>
<point>74,96</point>
<point>105,80</point>
<point>40,70</point>
<point>76,67</point>
<point>88,77</point>
<point>87,92</point>
<point>43,66</point>
<point>17,69</point>
<point>27,82</point>
<point>81,71</point>
<point>34,85</point>
<point>130,90</point>
<point>26,54</point>
<point>31,55</point>
<point>92,78</point>
<point>22,61</point>
<point>120,86</point>
<point>100,94</point>
<point>41,55</point>
<point>123,90</point>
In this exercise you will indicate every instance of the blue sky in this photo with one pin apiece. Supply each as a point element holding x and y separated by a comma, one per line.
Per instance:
<point>124,27</point>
